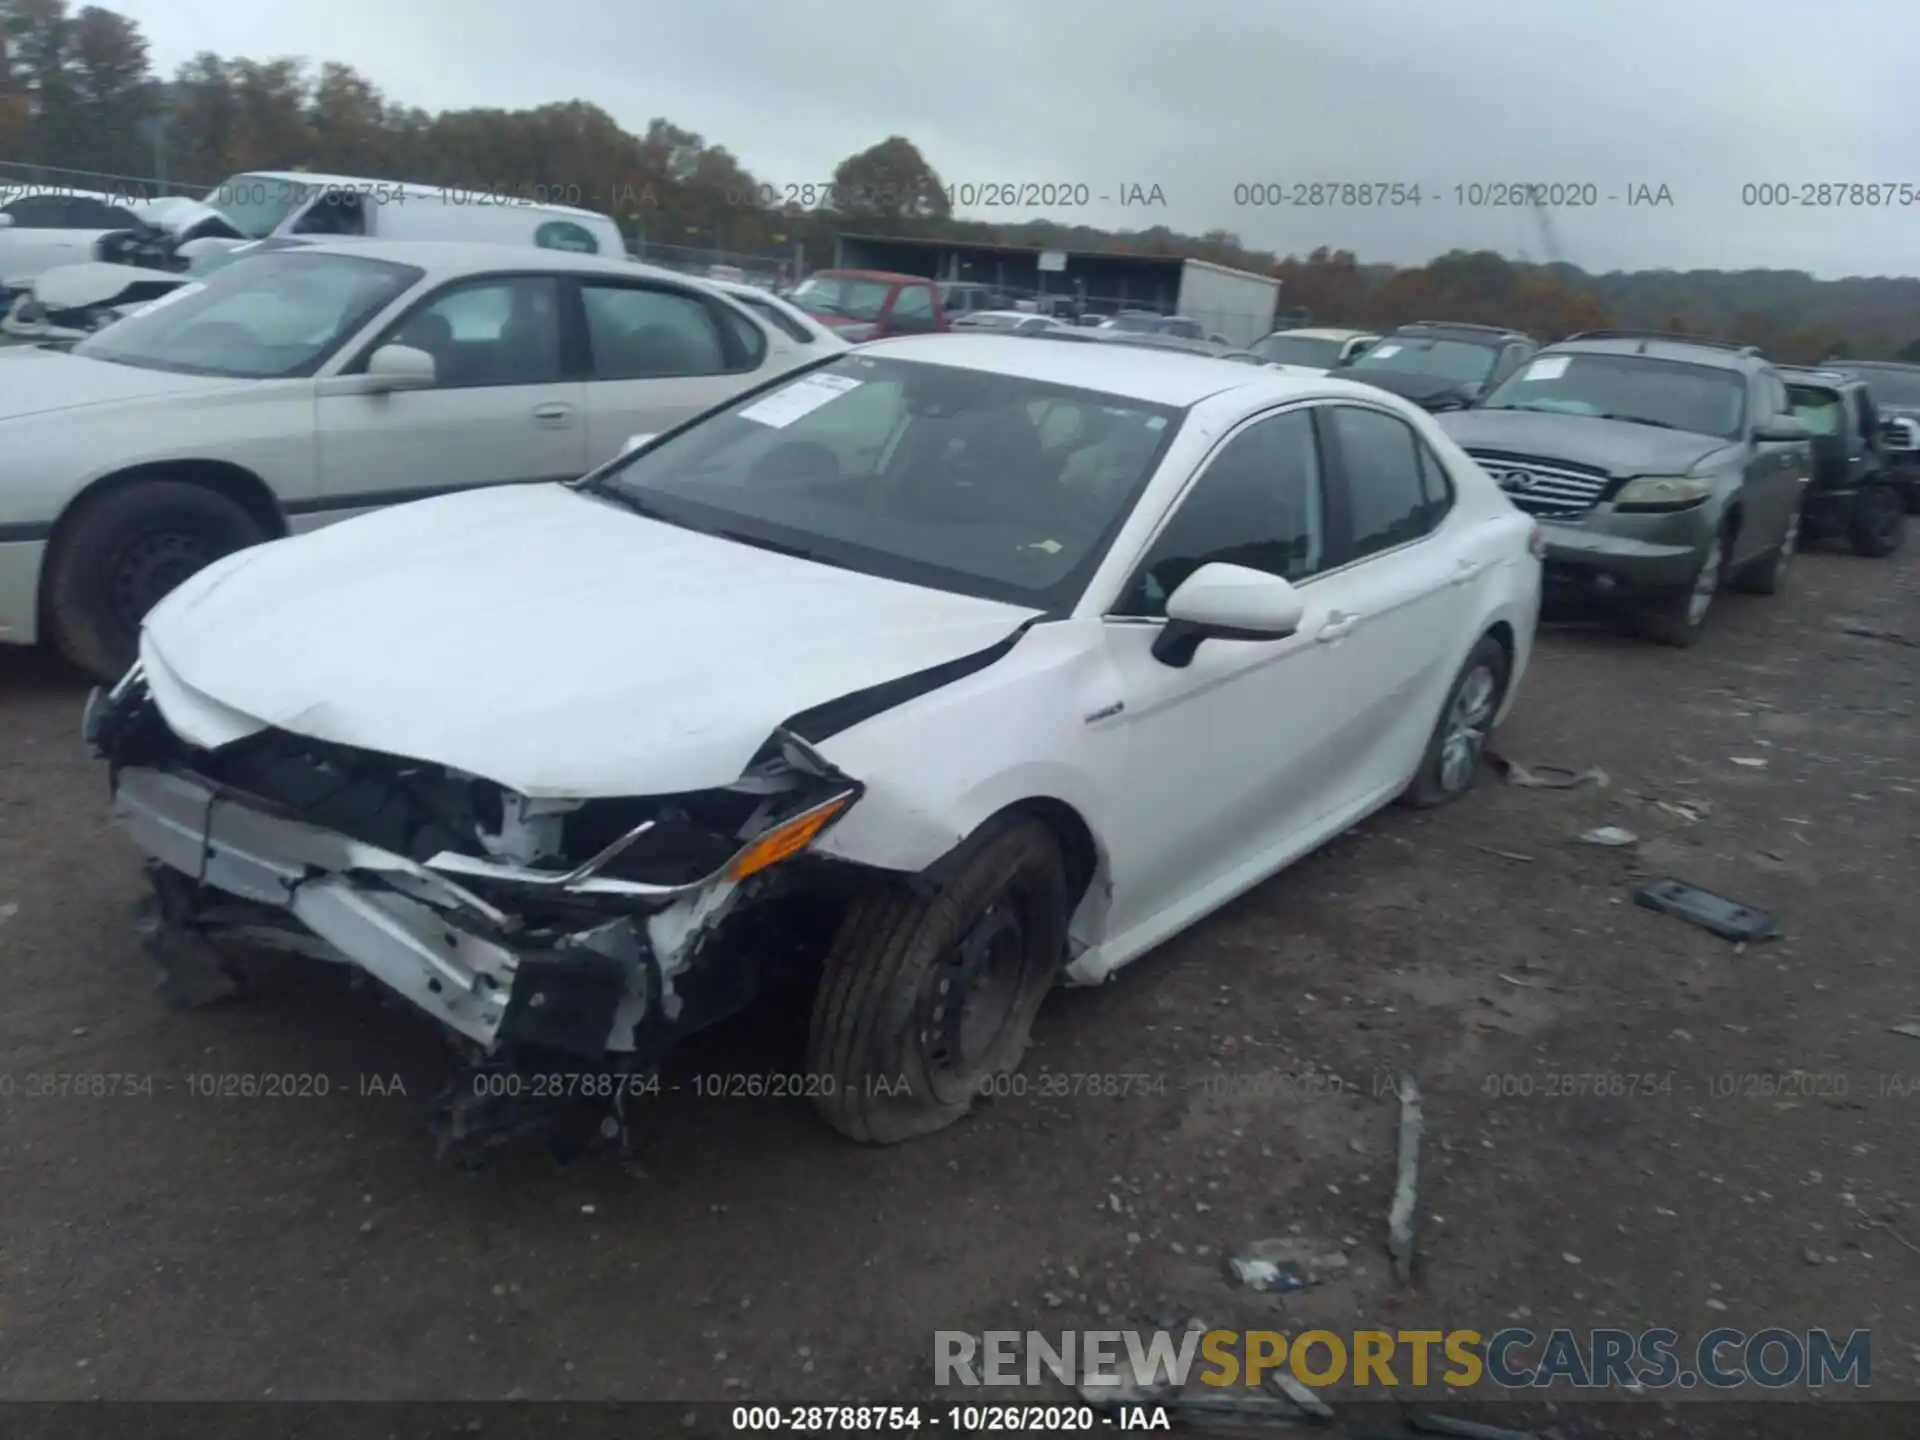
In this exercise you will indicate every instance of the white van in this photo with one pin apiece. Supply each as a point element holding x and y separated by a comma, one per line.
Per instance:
<point>261,203</point>
<point>258,204</point>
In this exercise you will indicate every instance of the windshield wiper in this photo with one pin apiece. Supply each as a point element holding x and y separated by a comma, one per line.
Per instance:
<point>1640,420</point>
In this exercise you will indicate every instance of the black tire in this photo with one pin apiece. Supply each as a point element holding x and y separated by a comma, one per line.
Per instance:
<point>892,1056</point>
<point>1439,780</point>
<point>1877,524</point>
<point>1672,620</point>
<point>121,553</point>
<point>1768,575</point>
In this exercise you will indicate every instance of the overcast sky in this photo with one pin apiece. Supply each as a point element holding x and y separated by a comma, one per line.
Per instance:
<point>1199,97</point>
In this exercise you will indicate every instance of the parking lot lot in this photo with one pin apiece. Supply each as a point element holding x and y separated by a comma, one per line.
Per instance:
<point>171,1242</point>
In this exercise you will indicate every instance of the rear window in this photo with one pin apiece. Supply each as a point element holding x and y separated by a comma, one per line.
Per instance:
<point>774,315</point>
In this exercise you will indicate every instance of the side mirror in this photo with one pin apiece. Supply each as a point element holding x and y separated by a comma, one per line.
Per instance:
<point>1782,428</point>
<point>391,367</point>
<point>1226,602</point>
<point>398,367</point>
<point>634,442</point>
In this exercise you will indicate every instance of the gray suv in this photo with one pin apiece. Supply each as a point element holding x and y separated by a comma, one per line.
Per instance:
<point>1659,466</point>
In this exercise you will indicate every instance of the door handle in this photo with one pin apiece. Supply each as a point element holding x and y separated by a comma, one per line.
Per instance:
<point>1338,626</point>
<point>1465,570</point>
<point>555,414</point>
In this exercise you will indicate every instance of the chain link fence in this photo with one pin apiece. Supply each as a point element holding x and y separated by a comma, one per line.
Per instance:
<point>20,175</point>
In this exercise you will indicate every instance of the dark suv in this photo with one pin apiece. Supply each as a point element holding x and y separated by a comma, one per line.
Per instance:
<point>1659,466</point>
<point>1895,387</point>
<point>1441,365</point>
<point>1856,492</point>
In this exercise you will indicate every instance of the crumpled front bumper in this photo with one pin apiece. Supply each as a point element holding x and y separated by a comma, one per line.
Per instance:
<point>431,940</point>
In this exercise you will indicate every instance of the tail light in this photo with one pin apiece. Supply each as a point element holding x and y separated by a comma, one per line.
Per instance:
<point>1537,543</point>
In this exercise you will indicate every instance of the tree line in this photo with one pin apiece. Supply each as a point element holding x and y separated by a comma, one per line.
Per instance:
<point>78,96</point>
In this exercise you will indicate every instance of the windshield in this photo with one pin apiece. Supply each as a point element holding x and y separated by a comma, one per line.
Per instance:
<point>1456,360</point>
<point>842,298</point>
<point>962,480</point>
<point>1298,350</point>
<point>1821,411</point>
<point>254,204</point>
<point>1892,387</point>
<point>1668,393</point>
<point>266,316</point>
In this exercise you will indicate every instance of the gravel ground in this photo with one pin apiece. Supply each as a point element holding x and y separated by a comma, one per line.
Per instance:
<point>1733,1146</point>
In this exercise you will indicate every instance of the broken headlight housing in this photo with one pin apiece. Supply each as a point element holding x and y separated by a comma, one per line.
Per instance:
<point>656,847</point>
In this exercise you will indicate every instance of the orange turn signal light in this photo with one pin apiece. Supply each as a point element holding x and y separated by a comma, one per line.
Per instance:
<point>787,839</point>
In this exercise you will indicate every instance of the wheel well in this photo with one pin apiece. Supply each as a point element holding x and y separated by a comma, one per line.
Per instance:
<point>1077,845</point>
<point>1501,634</point>
<point>235,482</point>
<point>1735,517</point>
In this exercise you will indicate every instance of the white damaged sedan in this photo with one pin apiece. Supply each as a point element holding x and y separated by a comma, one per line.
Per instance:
<point>954,667</point>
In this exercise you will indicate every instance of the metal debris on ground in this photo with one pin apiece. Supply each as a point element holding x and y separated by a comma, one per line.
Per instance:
<point>1469,1429</point>
<point>1545,777</point>
<point>1728,919</point>
<point>8,911</point>
<point>1400,1217</point>
<point>1524,984</point>
<point>1691,811</point>
<point>1911,1030</point>
<point>1751,762</point>
<point>1302,1396</point>
<point>1284,1265</point>
<point>1506,854</point>
<point>1872,632</point>
<point>1610,836</point>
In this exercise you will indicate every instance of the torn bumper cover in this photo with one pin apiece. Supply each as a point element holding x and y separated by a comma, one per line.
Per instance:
<point>512,956</point>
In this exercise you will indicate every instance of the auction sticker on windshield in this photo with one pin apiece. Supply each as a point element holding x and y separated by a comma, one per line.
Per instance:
<point>1381,351</point>
<point>802,397</point>
<point>1550,367</point>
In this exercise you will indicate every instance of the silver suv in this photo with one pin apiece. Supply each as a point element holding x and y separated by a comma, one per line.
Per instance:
<point>1660,467</point>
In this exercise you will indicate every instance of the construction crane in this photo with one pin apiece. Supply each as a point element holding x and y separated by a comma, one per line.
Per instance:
<point>1549,242</point>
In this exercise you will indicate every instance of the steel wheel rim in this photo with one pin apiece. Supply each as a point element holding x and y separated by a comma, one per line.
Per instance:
<point>1467,721</point>
<point>1705,586</point>
<point>150,568</point>
<point>974,993</point>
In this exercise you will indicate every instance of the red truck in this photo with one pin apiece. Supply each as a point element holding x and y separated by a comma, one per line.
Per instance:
<point>871,304</point>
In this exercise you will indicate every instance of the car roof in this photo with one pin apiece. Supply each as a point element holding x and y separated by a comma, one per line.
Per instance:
<point>1842,364</point>
<point>1820,375</point>
<point>1317,334</point>
<point>1460,331</point>
<point>887,277</point>
<point>1159,377</point>
<point>474,257</point>
<point>1655,347</point>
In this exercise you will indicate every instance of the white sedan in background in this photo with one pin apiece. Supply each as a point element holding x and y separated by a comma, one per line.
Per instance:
<point>1313,352</point>
<point>951,667</point>
<point>1021,322</point>
<point>297,385</point>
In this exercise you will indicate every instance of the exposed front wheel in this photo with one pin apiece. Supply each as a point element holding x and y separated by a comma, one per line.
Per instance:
<point>925,1000</point>
<point>1878,524</point>
<point>1769,576</point>
<point>1680,619</point>
<point>121,555</point>
<point>1452,760</point>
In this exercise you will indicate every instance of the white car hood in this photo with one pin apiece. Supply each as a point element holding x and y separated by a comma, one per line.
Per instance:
<point>95,282</point>
<point>43,381</point>
<point>541,638</point>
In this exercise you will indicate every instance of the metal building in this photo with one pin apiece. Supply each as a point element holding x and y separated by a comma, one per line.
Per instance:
<point>1093,279</point>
